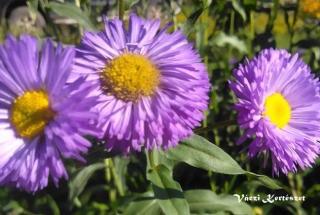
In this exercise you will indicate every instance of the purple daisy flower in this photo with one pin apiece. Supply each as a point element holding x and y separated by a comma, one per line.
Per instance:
<point>41,118</point>
<point>279,105</point>
<point>153,85</point>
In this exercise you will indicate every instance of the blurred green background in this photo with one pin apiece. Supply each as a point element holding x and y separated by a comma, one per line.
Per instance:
<point>225,32</point>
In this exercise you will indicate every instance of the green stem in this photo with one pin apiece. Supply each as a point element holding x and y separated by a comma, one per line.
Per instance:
<point>117,180</point>
<point>150,159</point>
<point>252,31</point>
<point>107,169</point>
<point>273,15</point>
<point>121,9</point>
<point>231,30</point>
<point>295,15</point>
<point>78,4</point>
<point>292,184</point>
<point>111,172</point>
<point>294,192</point>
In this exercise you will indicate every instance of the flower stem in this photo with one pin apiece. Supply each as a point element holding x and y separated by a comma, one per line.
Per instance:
<point>150,159</point>
<point>121,9</point>
<point>78,4</point>
<point>110,169</point>
<point>294,192</point>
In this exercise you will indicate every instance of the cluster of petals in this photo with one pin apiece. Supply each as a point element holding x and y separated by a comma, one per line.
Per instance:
<point>140,87</point>
<point>52,97</point>
<point>288,81</point>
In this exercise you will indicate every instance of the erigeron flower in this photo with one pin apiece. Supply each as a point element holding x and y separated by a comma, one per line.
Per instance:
<point>153,84</point>
<point>279,107</point>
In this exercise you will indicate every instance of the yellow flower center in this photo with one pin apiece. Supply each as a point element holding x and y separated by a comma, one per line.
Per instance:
<point>30,113</point>
<point>278,110</point>
<point>130,76</point>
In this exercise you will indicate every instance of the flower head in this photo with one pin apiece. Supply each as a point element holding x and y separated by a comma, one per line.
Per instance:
<point>279,105</point>
<point>152,84</point>
<point>42,118</point>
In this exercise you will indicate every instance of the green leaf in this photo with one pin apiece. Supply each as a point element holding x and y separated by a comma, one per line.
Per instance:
<point>206,201</point>
<point>73,12</point>
<point>236,5</point>
<point>144,205</point>
<point>168,192</point>
<point>33,7</point>
<point>199,152</point>
<point>222,39</point>
<point>206,3</point>
<point>266,181</point>
<point>12,207</point>
<point>159,157</point>
<point>78,183</point>
<point>118,168</point>
<point>52,205</point>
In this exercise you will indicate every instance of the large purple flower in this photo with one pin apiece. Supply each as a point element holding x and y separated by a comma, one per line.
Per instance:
<point>41,118</point>
<point>153,85</point>
<point>279,106</point>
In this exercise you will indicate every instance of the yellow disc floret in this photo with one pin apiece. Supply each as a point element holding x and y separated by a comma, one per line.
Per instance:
<point>278,110</point>
<point>30,113</point>
<point>130,76</point>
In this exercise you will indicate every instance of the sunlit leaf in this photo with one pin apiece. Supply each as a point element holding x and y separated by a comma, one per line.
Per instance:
<point>167,191</point>
<point>266,181</point>
<point>33,7</point>
<point>144,205</point>
<point>73,12</point>
<point>222,39</point>
<point>199,152</point>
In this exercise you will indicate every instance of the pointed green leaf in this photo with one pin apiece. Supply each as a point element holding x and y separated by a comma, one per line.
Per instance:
<point>199,152</point>
<point>266,181</point>
<point>73,12</point>
<point>167,191</point>
<point>144,205</point>
<point>78,183</point>
<point>236,5</point>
